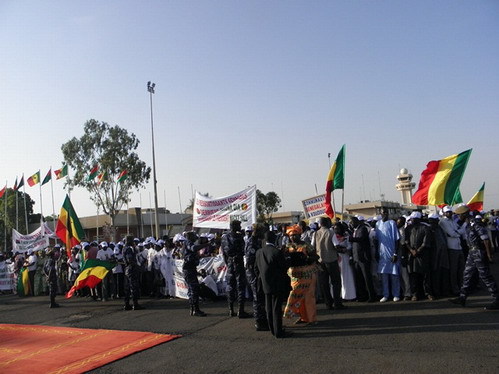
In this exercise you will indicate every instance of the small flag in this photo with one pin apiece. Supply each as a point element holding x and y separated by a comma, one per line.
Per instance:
<point>2,191</point>
<point>92,273</point>
<point>123,176</point>
<point>335,180</point>
<point>61,173</point>
<point>93,173</point>
<point>48,177</point>
<point>100,178</point>
<point>440,180</point>
<point>476,202</point>
<point>15,185</point>
<point>21,183</point>
<point>34,179</point>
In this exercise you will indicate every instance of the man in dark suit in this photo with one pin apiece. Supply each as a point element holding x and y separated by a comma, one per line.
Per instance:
<point>271,268</point>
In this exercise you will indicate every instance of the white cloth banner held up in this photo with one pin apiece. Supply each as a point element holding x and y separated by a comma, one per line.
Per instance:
<point>36,241</point>
<point>219,212</point>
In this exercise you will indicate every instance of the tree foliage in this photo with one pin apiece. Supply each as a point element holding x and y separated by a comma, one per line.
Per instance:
<point>9,221</point>
<point>267,204</point>
<point>113,149</point>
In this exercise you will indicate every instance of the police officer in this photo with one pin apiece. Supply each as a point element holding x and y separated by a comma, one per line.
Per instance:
<point>253,244</point>
<point>233,252</point>
<point>191,261</point>
<point>132,275</point>
<point>479,255</point>
<point>49,269</point>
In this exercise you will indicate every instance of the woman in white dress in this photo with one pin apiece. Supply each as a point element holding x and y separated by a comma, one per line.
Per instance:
<point>344,248</point>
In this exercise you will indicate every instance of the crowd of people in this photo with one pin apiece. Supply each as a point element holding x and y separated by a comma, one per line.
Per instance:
<point>378,259</point>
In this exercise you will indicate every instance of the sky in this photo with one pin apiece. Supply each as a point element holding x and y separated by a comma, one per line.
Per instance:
<point>254,92</point>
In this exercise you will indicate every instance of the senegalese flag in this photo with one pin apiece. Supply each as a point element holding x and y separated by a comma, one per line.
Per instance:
<point>100,178</point>
<point>123,176</point>
<point>61,173</point>
<point>476,202</point>
<point>2,191</point>
<point>23,288</point>
<point>34,179</point>
<point>48,177</point>
<point>335,180</point>
<point>93,173</point>
<point>440,180</point>
<point>92,273</point>
<point>69,228</point>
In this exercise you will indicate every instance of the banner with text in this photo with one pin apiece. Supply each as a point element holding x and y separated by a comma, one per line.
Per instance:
<point>36,241</point>
<point>314,207</point>
<point>219,212</point>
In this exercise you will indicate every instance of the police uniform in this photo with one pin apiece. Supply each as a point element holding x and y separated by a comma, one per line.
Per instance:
<point>50,272</point>
<point>251,247</point>
<point>132,274</point>
<point>189,268</point>
<point>477,259</point>
<point>233,252</point>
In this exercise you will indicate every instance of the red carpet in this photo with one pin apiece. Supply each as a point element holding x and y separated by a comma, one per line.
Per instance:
<point>45,349</point>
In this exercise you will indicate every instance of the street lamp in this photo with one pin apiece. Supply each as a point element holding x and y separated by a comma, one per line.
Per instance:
<point>150,89</point>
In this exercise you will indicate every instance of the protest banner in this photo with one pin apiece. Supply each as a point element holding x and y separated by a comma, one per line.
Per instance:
<point>214,266</point>
<point>36,241</point>
<point>314,207</point>
<point>6,277</point>
<point>217,213</point>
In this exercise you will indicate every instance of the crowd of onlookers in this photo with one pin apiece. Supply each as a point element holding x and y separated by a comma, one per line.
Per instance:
<point>425,259</point>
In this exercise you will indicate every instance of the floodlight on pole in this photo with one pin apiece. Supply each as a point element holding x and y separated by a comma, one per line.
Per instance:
<point>150,89</point>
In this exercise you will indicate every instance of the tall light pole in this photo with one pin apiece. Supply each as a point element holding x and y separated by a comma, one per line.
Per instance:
<point>150,89</point>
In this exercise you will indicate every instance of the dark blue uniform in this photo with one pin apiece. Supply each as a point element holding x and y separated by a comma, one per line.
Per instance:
<point>250,249</point>
<point>477,259</point>
<point>233,252</point>
<point>189,268</point>
<point>132,278</point>
<point>51,274</point>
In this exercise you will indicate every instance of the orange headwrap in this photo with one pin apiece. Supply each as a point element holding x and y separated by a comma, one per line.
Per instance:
<point>294,230</point>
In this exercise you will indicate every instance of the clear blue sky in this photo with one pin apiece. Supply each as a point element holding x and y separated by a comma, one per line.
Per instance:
<point>255,92</point>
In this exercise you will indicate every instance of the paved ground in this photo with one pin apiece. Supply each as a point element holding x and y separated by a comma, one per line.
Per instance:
<point>404,337</point>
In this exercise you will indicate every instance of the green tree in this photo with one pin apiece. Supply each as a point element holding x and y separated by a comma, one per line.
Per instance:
<point>266,204</point>
<point>112,148</point>
<point>9,221</point>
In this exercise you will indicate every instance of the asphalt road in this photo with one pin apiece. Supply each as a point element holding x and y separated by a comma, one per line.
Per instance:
<point>404,337</point>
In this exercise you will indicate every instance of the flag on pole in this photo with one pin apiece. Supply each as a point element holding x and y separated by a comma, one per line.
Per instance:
<point>69,228</point>
<point>34,179</point>
<point>93,173</point>
<point>441,179</point>
<point>476,202</point>
<point>48,177</point>
<point>100,178</point>
<point>335,180</point>
<point>92,273</point>
<point>2,191</point>
<point>18,186</point>
<point>61,173</point>
<point>123,176</point>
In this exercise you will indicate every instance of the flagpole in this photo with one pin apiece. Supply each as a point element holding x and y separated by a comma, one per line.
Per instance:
<point>52,190</point>
<point>17,207</point>
<point>5,219</point>
<point>141,217</point>
<point>179,203</point>
<point>166,215</point>
<point>97,223</point>
<point>150,213</point>
<point>25,208</point>
<point>41,205</point>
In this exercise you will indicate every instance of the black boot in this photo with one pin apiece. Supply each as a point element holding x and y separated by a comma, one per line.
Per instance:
<point>231,310</point>
<point>53,304</point>
<point>241,313</point>
<point>127,306</point>
<point>192,310</point>
<point>137,306</point>
<point>196,312</point>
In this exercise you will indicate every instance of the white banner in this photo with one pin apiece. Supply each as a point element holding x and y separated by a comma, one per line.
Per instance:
<point>218,213</point>
<point>314,207</point>
<point>214,266</point>
<point>6,277</point>
<point>35,241</point>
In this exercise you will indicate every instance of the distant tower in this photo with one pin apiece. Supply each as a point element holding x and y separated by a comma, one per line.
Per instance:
<point>405,186</point>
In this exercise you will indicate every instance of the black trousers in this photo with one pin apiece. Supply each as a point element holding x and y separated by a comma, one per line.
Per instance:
<point>364,281</point>
<point>330,276</point>
<point>273,307</point>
